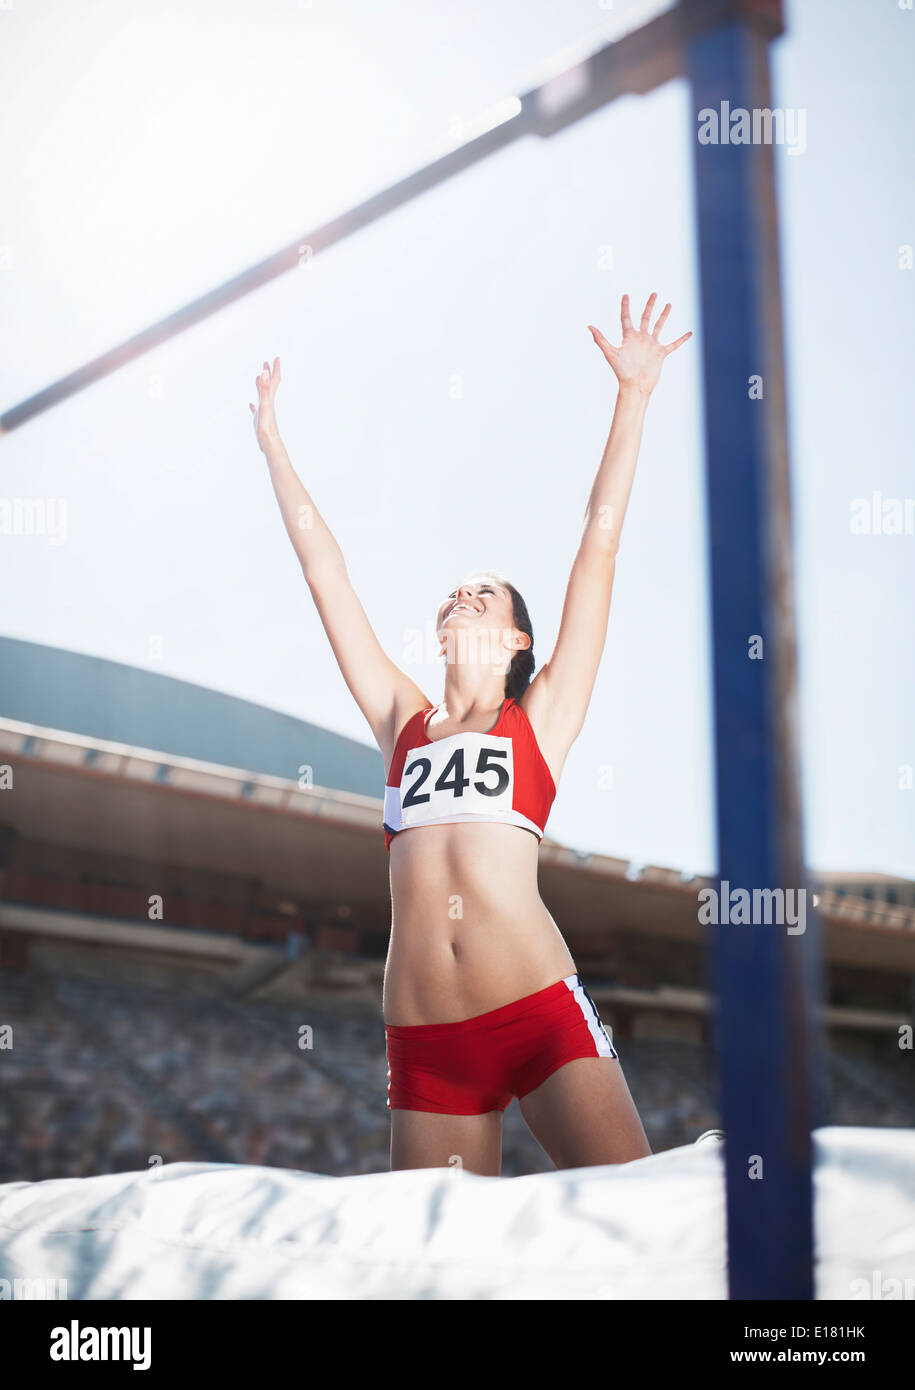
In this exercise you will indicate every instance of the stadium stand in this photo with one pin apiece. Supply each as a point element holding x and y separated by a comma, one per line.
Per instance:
<point>107,1074</point>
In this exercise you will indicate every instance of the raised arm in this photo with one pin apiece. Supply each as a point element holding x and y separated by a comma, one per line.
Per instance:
<point>560,693</point>
<point>385,694</point>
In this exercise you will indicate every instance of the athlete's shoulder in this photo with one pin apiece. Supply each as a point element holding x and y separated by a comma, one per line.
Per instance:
<point>530,710</point>
<point>412,710</point>
<point>407,718</point>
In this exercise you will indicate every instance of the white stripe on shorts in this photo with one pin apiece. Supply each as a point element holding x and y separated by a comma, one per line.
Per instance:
<point>591,1016</point>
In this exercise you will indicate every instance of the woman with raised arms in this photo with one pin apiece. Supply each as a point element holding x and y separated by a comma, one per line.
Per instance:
<point>482,1000</point>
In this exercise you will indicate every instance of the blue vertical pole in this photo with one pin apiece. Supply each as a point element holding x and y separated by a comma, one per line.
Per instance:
<point>767,977</point>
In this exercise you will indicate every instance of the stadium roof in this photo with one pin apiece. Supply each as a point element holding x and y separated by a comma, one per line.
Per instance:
<point>98,698</point>
<point>114,758</point>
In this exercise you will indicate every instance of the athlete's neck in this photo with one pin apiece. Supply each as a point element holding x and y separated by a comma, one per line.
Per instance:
<point>473,697</point>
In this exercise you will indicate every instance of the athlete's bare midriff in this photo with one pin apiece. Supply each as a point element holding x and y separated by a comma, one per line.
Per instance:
<point>469,930</point>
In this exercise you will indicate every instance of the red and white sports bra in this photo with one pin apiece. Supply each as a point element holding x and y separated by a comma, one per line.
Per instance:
<point>497,776</point>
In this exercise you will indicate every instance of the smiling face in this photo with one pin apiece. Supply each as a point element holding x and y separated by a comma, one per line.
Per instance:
<point>481,613</point>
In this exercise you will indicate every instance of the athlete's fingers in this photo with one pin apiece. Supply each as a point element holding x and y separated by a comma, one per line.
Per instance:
<point>606,348</point>
<point>662,318</point>
<point>251,408</point>
<point>672,347</point>
<point>625,320</point>
<point>646,312</point>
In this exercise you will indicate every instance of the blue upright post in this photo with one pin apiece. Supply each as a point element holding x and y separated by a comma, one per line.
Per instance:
<point>766,970</point>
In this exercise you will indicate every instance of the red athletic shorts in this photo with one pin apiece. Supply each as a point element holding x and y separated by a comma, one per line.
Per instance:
<point>479,1064</point>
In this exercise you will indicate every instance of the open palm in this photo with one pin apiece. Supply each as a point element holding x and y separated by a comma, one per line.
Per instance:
<point>638,358</point>
<point>267,382</point>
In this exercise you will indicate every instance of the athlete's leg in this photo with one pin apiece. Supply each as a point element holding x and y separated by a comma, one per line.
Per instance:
<point>583,1114</point>
<point>420,1139</point>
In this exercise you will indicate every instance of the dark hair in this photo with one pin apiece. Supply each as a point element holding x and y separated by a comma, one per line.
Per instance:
<point>521,670</point>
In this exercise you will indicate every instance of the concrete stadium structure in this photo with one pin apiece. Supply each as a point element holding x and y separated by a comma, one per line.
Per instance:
<point>151,819</point>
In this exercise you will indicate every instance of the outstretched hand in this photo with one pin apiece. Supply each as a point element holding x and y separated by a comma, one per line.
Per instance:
<point>265,426</point>
<point>638,358</point>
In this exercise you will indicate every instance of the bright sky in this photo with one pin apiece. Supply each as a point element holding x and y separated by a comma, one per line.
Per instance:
<point>442,398</point>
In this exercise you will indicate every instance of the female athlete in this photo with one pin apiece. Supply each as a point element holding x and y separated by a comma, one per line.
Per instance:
<point>482,1001</point>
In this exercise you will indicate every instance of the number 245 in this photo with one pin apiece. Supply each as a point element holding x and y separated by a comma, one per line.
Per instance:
<point>458,781</point>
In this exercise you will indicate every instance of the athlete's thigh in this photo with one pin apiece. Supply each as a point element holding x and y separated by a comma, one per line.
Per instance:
<point>420,1139</point>
<point>584,1114</point>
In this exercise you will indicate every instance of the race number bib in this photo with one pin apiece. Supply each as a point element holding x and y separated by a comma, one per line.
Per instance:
<point>464,774</point>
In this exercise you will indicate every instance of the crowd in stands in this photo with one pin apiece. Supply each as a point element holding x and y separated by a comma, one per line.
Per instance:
<point>104,1076</point>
